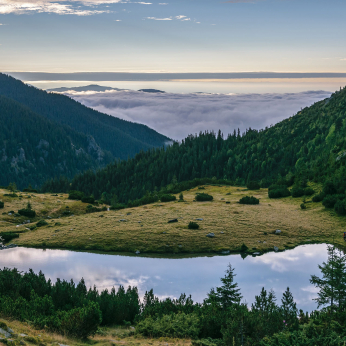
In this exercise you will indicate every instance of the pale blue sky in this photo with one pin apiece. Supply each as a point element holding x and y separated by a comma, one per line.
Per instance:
<point>197,35</point>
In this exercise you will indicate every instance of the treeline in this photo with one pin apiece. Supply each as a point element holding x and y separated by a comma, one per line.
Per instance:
<point>222,319</point>
<point>310,145</point>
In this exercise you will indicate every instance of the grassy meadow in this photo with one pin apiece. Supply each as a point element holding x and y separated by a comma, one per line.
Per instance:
<point>146,228</point>
<point>25,334</point>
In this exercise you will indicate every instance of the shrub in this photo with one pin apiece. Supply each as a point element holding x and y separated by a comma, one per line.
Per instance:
<point>2,204</point>
<point>81,322</point>
<point>181,197</point>
<point>243,248</point>
<point>193,225</point>
<point>329,188</point>
<point>253,185</point>
<point>330,200</point>
<point>309,191</point>
<point>27,212</point>
<point>278,191</point>
<point>297,191</point>
<point>76,195</point>
<point>249,200</point>
<point>303,206</point>
<point>201,188</point>
<point>201,197</point>
<point>89,199</point>
<point>92,209</point>
<point>118,206</point>
<point>340,207</point>
<point>318,198</point>
<point>42,223</point>
<point>168,198</point>
<point>8,236</point>
<point>179,325</point>
<point>203,342</point>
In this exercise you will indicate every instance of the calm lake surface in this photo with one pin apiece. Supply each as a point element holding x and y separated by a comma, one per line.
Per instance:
<point>170,277</point>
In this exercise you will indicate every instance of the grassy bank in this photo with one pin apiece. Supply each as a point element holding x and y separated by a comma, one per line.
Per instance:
<point>25,334</point>
<point>146,228</point>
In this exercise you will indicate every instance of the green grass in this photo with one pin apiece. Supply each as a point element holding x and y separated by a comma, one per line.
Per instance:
<point>147,229</point>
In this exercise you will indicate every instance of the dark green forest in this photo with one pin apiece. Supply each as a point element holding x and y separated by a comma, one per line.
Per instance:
<point>308,146</point>
<point>97,138</point>
<point>34,148</point>
<point>221,319</point>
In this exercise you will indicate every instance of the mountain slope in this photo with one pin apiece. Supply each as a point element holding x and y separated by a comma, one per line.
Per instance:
<point>311,144</point>
<point>122,138</point>
<point>34,149</point>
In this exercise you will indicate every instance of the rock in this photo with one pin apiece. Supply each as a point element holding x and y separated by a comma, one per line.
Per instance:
<point>276,249</point>
<point>133,328</point>
<point>277,231</point>
<point>137,252</point>
<point>173,220</point>
<point>7,333</point>
<point>256,253</point>
<point>225,252</point>
<point>23,335</point>
<point>200,219</point>
<point>264,242</point>
<point>139,221</point>
<point>210,235</point>
<point>222,232</point>
<point>164,232</point>
<point>122,220</point>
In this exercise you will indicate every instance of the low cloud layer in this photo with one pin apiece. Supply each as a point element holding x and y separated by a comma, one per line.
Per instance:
<point>178,115</point>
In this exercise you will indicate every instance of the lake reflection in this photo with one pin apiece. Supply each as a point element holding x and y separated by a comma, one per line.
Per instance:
<point>170,277</point>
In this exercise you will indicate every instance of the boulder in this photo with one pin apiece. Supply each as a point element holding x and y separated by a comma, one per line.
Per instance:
<point>122,220</point>
<point>137,252</point>
<point>277,231</point>
<point>276,249</point>
<point>173,220</point>
<point>210,235</point>
<point>199,219</point>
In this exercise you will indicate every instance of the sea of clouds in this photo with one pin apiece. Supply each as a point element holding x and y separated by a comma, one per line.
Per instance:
<point>178,115</point>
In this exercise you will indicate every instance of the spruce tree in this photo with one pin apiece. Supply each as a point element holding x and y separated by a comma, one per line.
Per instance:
<point>332,285</point>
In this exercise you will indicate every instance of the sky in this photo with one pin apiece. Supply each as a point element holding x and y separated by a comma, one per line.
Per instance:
<point>172,36</point>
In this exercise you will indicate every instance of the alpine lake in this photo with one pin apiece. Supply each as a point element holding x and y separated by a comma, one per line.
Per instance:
<point>169,277</point>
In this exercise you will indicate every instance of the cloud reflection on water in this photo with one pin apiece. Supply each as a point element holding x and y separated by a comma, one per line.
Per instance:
<point>171,277</point>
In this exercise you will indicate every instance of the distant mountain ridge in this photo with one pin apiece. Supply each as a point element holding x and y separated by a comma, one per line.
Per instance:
<point>92,87</point>
<point>88,131</point>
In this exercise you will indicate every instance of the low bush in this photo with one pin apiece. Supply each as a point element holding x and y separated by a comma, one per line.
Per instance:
<point>203,342</point>
<point>330,200</point>
<point>179,325</point>
<point>75,195</point>
<point>297,191</point>
<point>168,198</point>
<point>318,198</point>
<point>249,200</point>
<point>253,185</point>
<point>202,197</point>
<point>302,206</point>
<point>278,191</point>
<point>42,223</point>
<point>27,212</point>
<point>30,190</point>
<point>340,207</point>
<point>89,199</point>
<point>201,188</point>
<point>193,225</point>
<point>10,195</point>
<point>2,204</point>
<point>309,191</point>
<point>8,236</point>
<point>243,248</point>
<point>117,206</point>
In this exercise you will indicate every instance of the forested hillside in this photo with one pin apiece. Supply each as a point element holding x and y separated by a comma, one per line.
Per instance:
<point>122,138</point>
<point>311,144</point>
<point>34,149</point>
